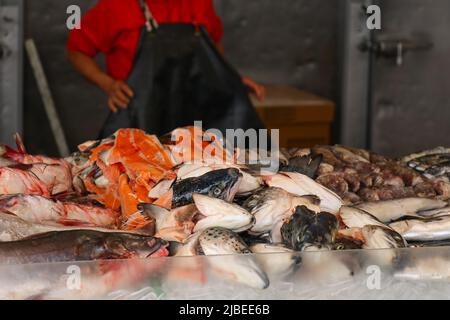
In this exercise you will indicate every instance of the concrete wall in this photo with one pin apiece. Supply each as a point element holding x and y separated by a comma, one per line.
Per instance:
<point>285,42</point>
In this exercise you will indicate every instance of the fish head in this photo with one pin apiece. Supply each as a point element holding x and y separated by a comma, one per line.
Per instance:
<point>219,213</point>
<point>221,241</point>
<point>306,228</point>
<point>322,231</point>
<point>293,231</point>
<point>125,245</point>
<point>224,183</point>
<point>235,261</point>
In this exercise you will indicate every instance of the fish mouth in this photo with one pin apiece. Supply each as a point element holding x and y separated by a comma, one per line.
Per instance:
<point>231,193</point>
<point>155,248</point>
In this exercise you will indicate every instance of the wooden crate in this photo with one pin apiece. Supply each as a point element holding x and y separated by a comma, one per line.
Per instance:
<point>304,120</point>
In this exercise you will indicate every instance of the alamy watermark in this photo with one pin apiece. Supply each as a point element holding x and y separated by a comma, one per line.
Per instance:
<point>374,17</point>
<point>74,20</point>
<point>373,21</point>
<point>373,281</point>
<point>73,281</point>
<point>250,147</point>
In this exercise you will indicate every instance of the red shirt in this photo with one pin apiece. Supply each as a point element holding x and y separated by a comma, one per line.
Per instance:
<point>113,26</point>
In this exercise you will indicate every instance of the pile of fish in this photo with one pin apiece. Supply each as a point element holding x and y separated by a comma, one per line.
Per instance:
<point>358,175</point>
<point>433,164</point>
<point>135,195</point>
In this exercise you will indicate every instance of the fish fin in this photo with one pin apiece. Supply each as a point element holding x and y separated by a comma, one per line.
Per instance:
<point>146,230</point>
<point>19,143</point>
<point>313,198</point>
<point>139,223</point>
<point>153,211</point>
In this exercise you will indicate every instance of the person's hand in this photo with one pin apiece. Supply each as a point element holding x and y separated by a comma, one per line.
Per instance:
<point>119,95</point>
<point>256,88</point>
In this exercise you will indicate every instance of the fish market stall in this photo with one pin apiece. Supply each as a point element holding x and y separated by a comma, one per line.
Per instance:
<point>137,216</point>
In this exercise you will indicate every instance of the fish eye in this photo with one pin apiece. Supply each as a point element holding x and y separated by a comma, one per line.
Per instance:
<point>340,247</point>
<point>217,191</point>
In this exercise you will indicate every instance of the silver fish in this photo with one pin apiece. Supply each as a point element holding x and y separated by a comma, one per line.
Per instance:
<point>436,151</point>
<point>357,218</point>
<point>429,229</point>
<point>435,212</point>
<point>235,262</point>
<point>391,210</point>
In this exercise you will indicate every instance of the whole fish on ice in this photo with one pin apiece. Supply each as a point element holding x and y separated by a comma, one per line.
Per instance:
<point>391,210</point>
<point>80,245</point>
<point>423,229</point>
<point>353,217</point>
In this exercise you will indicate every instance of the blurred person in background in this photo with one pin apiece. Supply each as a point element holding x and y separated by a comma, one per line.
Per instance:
<point>165,66</point>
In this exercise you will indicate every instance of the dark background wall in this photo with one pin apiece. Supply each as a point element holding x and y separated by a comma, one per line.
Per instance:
<point>281,42</point>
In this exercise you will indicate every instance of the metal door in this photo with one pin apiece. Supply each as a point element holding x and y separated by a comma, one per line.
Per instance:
<point>395,94</point>
<point>411,101</point>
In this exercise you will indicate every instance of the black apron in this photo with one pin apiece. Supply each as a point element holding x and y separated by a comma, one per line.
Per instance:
<point>180,77</point>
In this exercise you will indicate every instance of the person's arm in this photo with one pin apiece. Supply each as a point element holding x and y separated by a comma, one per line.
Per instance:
<point>119,93</point>
<point>258,89</point>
